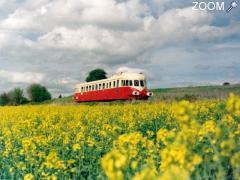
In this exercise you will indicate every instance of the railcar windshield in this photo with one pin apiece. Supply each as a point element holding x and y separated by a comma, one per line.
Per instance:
<point>136,83</point>
<point>142,83</point>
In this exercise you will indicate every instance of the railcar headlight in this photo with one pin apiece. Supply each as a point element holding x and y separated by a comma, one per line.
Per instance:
<point>135,93</point>
<point>149,94</point>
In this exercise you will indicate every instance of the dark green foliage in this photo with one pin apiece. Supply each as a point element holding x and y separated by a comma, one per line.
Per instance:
<point>16,97</point>
<point>96,74</point>
<point>4,99</point>
<point>226,84</point>
<point>38,93</point>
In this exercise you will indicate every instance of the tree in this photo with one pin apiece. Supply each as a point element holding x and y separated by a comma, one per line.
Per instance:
<point>226,84</point>
<point>96,74</point>
<point>38,93</point>
<point>16,97</point>
<point>4,99</point>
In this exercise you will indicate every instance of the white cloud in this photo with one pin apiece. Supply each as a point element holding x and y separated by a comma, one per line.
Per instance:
<point>2,2</point>
<point>62,38</point>
<point>174,26</point>
<point>11,39</point>
<point>147,73</point>
<point>21,77</point>
<point>7,4</point>
<point>128,69</point>
<point>45,15</point>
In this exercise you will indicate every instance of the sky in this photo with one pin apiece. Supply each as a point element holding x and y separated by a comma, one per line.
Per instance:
<point>57,42</point>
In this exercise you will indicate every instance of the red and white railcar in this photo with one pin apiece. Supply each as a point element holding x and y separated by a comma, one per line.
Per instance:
<point>122,86</point>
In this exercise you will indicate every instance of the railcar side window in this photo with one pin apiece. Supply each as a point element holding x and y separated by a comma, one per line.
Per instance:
<point>127,82</point>
<point>82,89</point>
<point>117,83</point>
<point>123,82</point>
<point>103,86</point>
<point>110,84</point>
<point>114,83</point>
<point>100,86</point>
<point>130,83</point>
<point>136,83</point>
<point>90,88</point>
<point>87,88</point>
<point>93,87</point>
<point>142,83</point>
<point>107,85</point>
<point>96,87</point>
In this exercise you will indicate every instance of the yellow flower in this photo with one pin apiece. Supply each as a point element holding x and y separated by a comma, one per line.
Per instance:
<point>227,147</point>
<point>146,173</point>
<point>161,140</point>
<point>76,147</point>
<point>165,136</point>
<point>175,172</point>
<point>233,104</point>
<point>29,176</point>
<point>134,164</point>
<point>11,170</point>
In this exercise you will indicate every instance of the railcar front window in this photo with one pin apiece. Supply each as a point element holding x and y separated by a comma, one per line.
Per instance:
<point>136,83</point>
<point>142,83</point>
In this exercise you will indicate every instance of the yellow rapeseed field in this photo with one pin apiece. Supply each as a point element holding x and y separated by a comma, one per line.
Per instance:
<point>178,140</point>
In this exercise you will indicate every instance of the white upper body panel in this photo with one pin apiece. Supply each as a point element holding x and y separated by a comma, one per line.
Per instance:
<point>136,80</point>
<point>128,75</point>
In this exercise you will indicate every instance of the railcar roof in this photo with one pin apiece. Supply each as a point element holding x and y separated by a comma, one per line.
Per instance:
<point>119,76</point>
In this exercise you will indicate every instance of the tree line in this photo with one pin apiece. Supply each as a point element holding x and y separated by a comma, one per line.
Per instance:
<point>36,93</point>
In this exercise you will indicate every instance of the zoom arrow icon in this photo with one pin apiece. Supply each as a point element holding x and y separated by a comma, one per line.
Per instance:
<point>233,4</point>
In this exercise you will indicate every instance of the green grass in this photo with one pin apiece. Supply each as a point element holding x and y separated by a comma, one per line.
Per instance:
<point>200,92</point>
<point>59,101</point>
<point>170,94</point>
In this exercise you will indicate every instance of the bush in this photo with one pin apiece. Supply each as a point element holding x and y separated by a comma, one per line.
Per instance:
<point>38,93</point>
<point>96,74</point>
<point>16,97</point>
<point>226,84</point>
<point>4,99</point>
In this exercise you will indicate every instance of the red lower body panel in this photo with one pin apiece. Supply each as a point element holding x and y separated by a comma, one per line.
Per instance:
<point>121,93</point>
